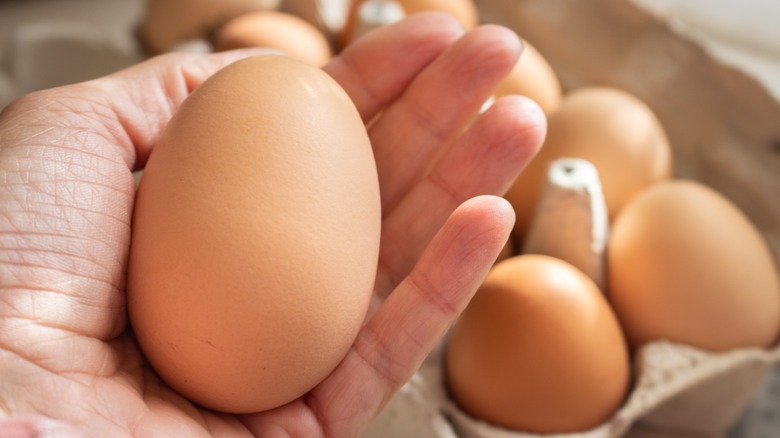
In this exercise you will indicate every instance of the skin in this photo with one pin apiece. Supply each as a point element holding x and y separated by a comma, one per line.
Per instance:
<point>69,364</point>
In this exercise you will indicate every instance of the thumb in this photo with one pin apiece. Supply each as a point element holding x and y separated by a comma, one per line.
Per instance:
<point>67,193</point>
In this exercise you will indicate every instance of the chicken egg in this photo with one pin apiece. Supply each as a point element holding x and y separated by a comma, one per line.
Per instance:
<point>686,265</point>
<point>276,30</point>
<point>533,77</point>
<point>167,23</point>
<point>255,237</point>
<point>538,350</point>
<point>615,131</point>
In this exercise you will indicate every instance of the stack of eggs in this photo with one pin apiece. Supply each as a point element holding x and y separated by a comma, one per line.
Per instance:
<point>610,252</point>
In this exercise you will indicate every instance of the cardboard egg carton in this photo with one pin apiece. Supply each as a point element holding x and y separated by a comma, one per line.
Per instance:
<point>724,130</point>
<point>679,391</point>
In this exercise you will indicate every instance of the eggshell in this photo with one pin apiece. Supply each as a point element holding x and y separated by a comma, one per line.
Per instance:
<point>612,129</point>
<point>533,77</point>
<point>686,265</point>
<point>276,30</point>
<point>167,23</point>
<point>255,237</point>
<point>538,349</point>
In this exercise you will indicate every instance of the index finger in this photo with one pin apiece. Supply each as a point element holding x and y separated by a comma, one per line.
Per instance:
<point>376,69</point>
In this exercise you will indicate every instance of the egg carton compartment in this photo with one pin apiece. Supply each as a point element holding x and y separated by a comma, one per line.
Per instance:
<point>679,391</point>
<point>722,125</point>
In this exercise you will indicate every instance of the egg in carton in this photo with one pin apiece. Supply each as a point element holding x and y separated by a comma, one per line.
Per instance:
<point>678,389</point>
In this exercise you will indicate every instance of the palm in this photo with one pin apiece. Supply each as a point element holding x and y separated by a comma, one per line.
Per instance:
<point>66,352</point>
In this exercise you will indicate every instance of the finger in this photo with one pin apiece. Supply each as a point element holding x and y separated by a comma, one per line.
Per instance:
<point>485,160</point>
<point>375,69</point>
<point>125,111</point>
<point>395,341</point>
<point>399,336</point>
<point>411,133</point>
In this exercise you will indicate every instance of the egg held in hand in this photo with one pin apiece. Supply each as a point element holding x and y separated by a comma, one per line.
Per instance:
<point>538,350</point>
<point>255,237</point>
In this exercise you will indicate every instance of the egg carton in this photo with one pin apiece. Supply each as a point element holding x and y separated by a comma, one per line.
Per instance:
<point>680,391</point>
<point>723,127</point>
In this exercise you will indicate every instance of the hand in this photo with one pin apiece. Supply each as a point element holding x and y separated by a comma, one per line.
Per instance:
<point>67,363</point>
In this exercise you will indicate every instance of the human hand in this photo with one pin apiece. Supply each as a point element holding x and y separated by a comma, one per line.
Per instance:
<point>68,361</point>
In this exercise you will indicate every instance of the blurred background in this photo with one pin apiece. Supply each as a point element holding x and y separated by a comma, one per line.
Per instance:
<point>44,43</point>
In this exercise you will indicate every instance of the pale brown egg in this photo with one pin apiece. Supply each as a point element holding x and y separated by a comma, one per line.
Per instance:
<point>275,30</point>
<point>538,350</point>
<point>686,265</point>
<point>167,23</point>
<point>612,129</point>
<point>255,237</point>
<point>533,77</point>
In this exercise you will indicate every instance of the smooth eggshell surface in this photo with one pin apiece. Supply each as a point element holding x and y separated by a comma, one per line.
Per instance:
<point>275,30</point>
<point>538,349</point>
<point>686,265</point>
<point>255,237</point>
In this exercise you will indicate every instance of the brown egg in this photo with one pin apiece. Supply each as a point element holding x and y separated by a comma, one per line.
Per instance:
<point>687,265</point>
<point>255,237</point>
<point>533,77</point>
<point>538,349</point>
<point>276,30</point>
<point>166,23</point>
<point>612,129</point>
<point>465,11</point>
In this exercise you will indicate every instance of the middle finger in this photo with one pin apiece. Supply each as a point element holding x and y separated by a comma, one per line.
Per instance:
<point>414,130</point>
